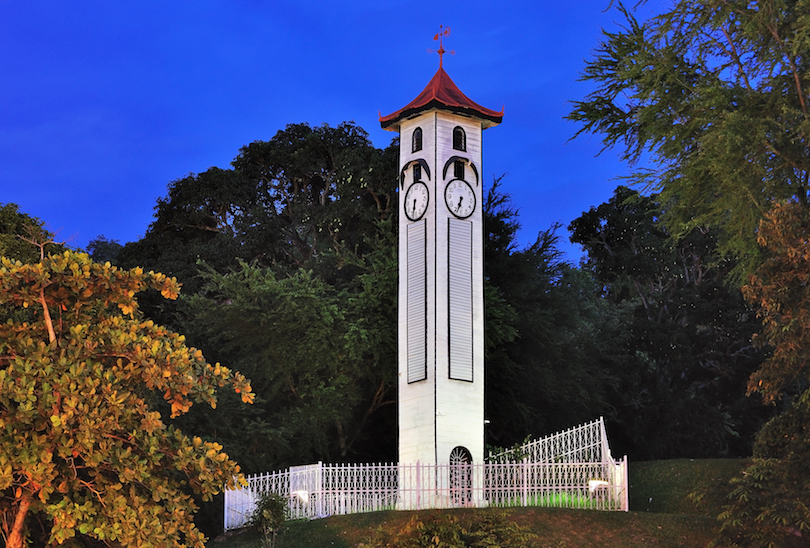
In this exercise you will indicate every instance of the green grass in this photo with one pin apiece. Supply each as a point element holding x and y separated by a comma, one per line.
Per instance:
<point>670,519</point>
<point>555,528</point>
<point>664,486</point>
<point>560,499</point>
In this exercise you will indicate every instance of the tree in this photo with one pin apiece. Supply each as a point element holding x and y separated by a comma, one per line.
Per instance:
<point>322,188</point>
<point>545,333</point>
<point>322,359</point>
<point>17,227</point>
<point>304,219</point>
<point>780,289</point>
<point>768,505</point>
<point>714,93</point>
<point>101,249</point>
<point>201,219</point>
<point>304,199</point>
<point>686,348</point>
<point>84,445</point>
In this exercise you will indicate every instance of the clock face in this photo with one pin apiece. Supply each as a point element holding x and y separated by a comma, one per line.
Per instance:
<point>460,198</point>
<point>416,201</point>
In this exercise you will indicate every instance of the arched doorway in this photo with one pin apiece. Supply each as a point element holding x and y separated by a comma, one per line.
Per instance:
<point>461,476</point>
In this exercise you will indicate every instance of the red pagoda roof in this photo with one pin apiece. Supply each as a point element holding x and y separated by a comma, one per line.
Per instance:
<point>442,94</point>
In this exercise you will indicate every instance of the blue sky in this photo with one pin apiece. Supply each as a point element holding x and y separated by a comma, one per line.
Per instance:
<point>102,104</point>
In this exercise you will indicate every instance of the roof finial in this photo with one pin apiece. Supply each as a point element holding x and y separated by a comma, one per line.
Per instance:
<point>443,31</point>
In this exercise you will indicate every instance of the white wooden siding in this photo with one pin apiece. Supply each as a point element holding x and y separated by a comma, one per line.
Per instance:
<point>417,304</point>
<point>460,302</point>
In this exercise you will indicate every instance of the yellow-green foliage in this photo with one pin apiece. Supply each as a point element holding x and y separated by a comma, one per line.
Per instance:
<point>82,449</point>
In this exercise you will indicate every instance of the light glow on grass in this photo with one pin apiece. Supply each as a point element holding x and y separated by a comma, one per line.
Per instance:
<point>559,499</point>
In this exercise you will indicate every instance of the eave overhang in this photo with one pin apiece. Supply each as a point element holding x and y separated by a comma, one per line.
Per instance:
<point>441,93</point>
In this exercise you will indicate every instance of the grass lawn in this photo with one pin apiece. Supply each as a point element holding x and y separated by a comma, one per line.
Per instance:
<point>661,515</point>
<point>664,486</point>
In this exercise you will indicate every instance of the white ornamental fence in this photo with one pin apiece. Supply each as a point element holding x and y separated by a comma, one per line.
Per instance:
<point>584,443</point>
<point>321,490</point>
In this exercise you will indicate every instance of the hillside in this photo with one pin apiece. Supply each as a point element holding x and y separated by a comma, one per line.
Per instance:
<point>661,515</point>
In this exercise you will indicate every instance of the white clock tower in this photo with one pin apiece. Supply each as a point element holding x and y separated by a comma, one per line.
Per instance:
<point>441,265</point>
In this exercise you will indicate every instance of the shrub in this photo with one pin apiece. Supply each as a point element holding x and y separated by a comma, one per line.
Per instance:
<point>468,530</point>
<point>269,517</point>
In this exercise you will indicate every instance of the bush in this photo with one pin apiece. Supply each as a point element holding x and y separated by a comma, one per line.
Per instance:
<point>269,517</point>
<point>468,530</point>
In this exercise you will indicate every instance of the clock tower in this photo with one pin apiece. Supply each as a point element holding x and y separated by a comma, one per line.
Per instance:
<point>441,265</point>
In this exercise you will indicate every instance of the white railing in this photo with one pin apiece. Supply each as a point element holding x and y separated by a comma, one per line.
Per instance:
<point>322,490</point>
<point>585,443</point>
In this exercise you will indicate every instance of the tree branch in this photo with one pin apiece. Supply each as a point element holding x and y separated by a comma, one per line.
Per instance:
<point>47,315</point>
<point>15,539</point>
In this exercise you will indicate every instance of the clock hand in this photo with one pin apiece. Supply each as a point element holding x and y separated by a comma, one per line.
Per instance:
<point>413,210</point>
<point>458,207</point>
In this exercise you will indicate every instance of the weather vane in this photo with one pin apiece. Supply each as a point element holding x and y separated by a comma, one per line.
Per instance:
<point>443,31</point>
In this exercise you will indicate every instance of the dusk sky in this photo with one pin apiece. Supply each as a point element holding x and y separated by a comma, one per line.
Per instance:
<point>102,104</point>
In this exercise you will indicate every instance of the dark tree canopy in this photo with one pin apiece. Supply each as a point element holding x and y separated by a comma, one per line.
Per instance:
<point>321,187</point>
<point>101,249</point>
<point>303,199</point>
<point>548,337</point>
<point>686,335</point>
<point>289,267</point>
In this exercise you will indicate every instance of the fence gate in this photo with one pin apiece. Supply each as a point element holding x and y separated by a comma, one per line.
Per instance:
<point>306,488</point>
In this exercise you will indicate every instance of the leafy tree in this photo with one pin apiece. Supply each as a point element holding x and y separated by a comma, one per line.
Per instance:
<point>768,505</point>
<point>17,233</point>
<point>714,93</point>
<point>780,289</point>
<point>84,449</point>
<point>686,347</point>
<point>196,221</point>
<point>287,333</point>
<point>101,249</point>
<point>546,333</point>
<point>16,228</point>
<point>320,199</point>
<point>303,199</point>
<point>322,188</point>
<point>322,360</point>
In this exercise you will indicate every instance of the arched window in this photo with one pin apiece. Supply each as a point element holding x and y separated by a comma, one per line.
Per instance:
<point>417,172</point>
<point>459,139</point>
<point>458,169</point>
<point>416,140</point>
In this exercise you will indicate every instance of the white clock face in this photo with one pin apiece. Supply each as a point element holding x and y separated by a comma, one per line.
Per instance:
<point>460,198</point>
<point>416,201</point>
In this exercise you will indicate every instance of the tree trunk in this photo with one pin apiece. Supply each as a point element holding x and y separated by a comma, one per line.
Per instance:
<point>15,539</point>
